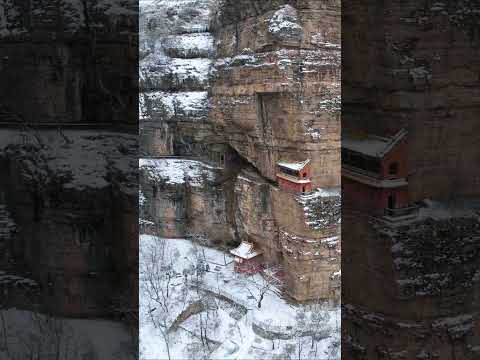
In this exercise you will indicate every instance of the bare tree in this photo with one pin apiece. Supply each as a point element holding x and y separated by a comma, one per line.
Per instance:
<point>289,350</point>
<point>259,285</point>
<point>155,281</point>
<point>318,323</point>
<point>300,328</point>
<point>313,321</point>
<point>197,264</point>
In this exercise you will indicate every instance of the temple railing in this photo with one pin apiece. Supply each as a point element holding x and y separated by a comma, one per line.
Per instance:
<point>405,211</point>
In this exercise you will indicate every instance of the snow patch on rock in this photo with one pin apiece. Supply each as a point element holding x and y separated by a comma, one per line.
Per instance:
<point>79,159</point>
<point>178,171</point>
<point>285,23</point>
<point>193,103</point>
<point>189,45</point>
<point>321,208</point>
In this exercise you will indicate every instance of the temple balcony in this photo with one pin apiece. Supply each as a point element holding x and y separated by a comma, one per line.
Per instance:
<point>372,179</point>
<point>400,214</point>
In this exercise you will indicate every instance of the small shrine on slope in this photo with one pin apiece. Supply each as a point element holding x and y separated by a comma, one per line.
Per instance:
<point>295,177</point>
<point>248,259</point>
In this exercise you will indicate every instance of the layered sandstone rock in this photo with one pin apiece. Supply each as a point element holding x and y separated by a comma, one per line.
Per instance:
<point>410,65</point>
<point>407,65</point>
<point>275,94</point>
<point>48,56</point>
<point>310,243</point>
<point>262,85</point>
<point>176,58</point>
<point>187,198</point>
<point>420,288</point>
<point>67,209</point>
<point>71,65</point>
<point>290,235</point>
<point>275,91</point>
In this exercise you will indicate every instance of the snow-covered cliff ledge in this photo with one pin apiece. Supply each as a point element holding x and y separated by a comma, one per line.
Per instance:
<point>75,159</point>
<point>71,16</point>
<point>178,171</point>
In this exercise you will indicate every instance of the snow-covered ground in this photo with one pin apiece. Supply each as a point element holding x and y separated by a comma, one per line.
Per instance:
<point>236,328</point>
<point>34,336</point>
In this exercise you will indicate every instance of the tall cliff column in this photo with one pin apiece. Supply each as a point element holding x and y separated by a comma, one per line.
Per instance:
<point>189,195</point>
<point>276,88</point>
<point>275,96</point>
<point>175,61</point>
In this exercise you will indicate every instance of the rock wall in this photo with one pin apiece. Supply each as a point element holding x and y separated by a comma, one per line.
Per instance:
<point>275,93</point>
<point>176,52</point>
<point>409,64</point>
<point>264,88</point>
<point>310,242</point>
<point>68,65</point>
<point>67,210</point>
<point>69,79</point>
<point>188,198</point>
<point>254,217</point>
<point>283,227</point>
<point>419,285</point>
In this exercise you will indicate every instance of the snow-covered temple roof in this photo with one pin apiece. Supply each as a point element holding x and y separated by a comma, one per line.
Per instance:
<point>371,145</point>
<point>245,251</point>
<point>296,166</point>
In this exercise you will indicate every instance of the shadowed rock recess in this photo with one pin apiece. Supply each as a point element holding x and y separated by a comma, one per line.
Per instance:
<point>415,295</point>
<point>228,89</point>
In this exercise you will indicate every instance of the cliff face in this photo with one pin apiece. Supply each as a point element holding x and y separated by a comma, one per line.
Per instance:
<point>176,53</point>
<point>69,85</point>
<point>420,282</point>
<point>410,64</point>
<point>276,86</point>
<point>424,59</point>
<point>70,62</point>
<point>187,198</point>
<point>64,205</point>
<point>249,83</point>
<point>275,94</point>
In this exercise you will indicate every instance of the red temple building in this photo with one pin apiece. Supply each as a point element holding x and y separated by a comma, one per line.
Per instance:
<point>295,176</point>
<point>247,259</point>
<point>375,173</point>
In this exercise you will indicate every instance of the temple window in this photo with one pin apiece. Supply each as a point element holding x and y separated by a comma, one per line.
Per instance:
<point>393,169</point>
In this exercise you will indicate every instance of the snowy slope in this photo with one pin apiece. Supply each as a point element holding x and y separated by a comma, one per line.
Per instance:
<point>232,335</point>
